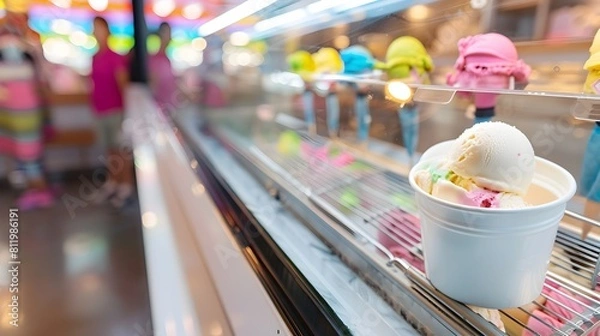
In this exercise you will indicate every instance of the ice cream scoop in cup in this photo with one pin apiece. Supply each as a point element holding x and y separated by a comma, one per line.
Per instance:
<point>489,214</point>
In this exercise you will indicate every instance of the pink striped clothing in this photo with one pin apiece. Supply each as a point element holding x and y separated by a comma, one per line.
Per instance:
<point>20,112</point>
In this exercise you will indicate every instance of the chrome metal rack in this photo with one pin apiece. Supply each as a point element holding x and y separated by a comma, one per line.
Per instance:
<point>353,207</point>
<point>363,200</point>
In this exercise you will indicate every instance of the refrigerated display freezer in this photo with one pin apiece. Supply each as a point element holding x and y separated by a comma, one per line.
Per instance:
<point>308,243</point>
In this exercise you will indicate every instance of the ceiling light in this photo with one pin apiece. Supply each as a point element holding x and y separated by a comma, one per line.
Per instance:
<point>418,13</point>
<point>478,4</point>
<point>239,39</point>
<point>193,11</point>
<point>347,5</point>
<point>279,20</point>
<point>313,8</point>
<point>199,43</point>
<point>234,15</point>
<point>61,3</point>
<point>98,5</point>
<point>90,43</point>
<point>322,5</point>
<point>163,8</point>
<point>78,38</point>
<point>61,26</point>
<point>341,42</point>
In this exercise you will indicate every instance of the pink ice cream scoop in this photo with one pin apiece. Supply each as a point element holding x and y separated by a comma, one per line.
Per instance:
<point>541,323</point>
<point>487,61</point>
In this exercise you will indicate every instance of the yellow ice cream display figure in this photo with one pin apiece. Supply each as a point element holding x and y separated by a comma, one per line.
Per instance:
<point>329,61</point>
<point>590,172</point>
<point>592,65</point>
<point>407,60</point>
<point>301,63</point>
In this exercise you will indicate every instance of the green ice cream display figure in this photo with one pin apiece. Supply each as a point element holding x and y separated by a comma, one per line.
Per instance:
<point>407,60</point>
<point>301,63</point>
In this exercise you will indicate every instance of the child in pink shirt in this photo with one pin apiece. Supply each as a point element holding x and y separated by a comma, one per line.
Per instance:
<point>109,77</point>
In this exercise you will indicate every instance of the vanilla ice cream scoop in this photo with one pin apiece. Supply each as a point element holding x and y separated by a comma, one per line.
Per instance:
<point>490,165</point>
<point>495,156</point>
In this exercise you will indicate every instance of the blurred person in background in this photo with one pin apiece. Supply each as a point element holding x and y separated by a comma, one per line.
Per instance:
<point>110,77</point>
<point>162,80</point>
<point>22,112</point>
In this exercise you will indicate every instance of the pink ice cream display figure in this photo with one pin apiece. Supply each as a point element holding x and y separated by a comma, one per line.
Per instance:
<point>487,61</point>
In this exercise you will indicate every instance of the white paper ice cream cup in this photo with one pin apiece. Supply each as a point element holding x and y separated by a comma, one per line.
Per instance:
<point>493,258</point>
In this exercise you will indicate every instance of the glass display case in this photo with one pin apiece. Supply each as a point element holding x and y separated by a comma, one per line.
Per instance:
<point>309,160</point>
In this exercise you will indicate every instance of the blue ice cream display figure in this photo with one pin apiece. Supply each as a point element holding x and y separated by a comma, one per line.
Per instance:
<point>407,60</point>
<point>590,172</point>
<point>359,62</point>
<point>328,61</point>
<point>301,63</point>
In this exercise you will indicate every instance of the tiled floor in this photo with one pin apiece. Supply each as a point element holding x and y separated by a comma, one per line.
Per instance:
<point>81,274</point>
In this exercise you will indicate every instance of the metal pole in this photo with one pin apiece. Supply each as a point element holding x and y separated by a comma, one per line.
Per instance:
<point>139,73</point>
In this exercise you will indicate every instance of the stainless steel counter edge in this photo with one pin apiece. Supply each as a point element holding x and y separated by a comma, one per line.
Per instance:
<point>165,179</point>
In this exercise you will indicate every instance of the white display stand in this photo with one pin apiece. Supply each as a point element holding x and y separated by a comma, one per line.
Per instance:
<point>200,282</point>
